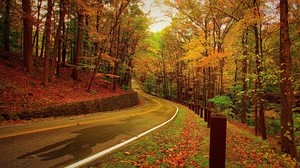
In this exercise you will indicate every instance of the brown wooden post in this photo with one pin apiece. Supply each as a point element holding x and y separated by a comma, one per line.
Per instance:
<point>217,148</point>
<point>205,114</point>
<point>197,109</point>
<point>194,107</point>
<point>201,112</point>
<point>208,118</point>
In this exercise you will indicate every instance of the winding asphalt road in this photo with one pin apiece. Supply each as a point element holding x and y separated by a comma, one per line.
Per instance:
<point>61,142</point>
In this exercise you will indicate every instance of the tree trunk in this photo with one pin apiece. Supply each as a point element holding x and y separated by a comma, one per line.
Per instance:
<point>117,54</point>
<point>78,53</point>
<point>62,14</point>
<point>204,93</point>
<point>97,53</point>
<point>179,80</point>
<point>244,69</point>
<point>6,26</point>
<point>258,108</point>
<point>47,44</point>
<point>64,45</point>
<point>165,79</point>
<point>287,131</point>
<point>222,63</point>
<point>38,28</point>
<point>261,93</point>
<point>43,44</point>
<point>27,35</point>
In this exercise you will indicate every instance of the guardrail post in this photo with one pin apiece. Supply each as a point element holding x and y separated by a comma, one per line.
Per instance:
<point>205,114</point>
<point>201,112</point>
<point>208,118</point>
<point>217,148</point>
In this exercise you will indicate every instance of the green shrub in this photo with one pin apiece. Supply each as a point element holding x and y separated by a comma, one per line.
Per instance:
<point>250,122</point>
<point>221,102</point>
<point>126,87</point>
<point>274,127</point>
<point>229,113</point>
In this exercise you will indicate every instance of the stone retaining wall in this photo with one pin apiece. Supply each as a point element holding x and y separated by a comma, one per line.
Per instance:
<point>129,99</point>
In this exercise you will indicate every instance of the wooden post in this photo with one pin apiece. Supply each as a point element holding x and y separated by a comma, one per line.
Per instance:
<point>208,118</point>
<point>205,114</point>
<point>217,148</point>
<point>201,112</point>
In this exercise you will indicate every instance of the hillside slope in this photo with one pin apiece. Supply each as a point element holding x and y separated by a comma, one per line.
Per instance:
<point>22,91</point>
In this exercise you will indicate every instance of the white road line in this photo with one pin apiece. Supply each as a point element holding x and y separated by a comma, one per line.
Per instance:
<point>102,153</point>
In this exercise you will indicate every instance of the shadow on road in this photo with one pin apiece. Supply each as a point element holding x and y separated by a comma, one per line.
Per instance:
<point>80,146</point>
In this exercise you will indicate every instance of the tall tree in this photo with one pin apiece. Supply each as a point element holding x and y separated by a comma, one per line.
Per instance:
<point>27,35</point>
<point>39,6</point>
<point>56,50</point>
<point>287,131</point>
<point>80,17</point>
<point>7,25</point>
<point>244,70</point>
<point>47,43</point>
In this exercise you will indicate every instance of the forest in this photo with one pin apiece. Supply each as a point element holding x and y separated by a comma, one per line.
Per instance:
<point>240,58</point>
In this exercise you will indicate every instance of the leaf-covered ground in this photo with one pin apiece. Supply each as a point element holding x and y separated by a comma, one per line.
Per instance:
<point>22,91</point>
<point>185,143</point>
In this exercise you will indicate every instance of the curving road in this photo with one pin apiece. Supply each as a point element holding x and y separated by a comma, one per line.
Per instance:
<point>61,142</point>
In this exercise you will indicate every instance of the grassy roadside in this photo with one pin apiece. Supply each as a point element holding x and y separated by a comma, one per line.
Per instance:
<point>185,143</point>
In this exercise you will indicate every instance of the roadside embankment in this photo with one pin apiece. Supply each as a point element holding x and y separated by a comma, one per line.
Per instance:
<point>121,101</point>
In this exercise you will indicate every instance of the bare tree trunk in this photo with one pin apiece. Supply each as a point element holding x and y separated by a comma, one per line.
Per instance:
<point>258,103</point>
<point>165,79</point>
<point>259,54</point>
<point>78,53</point>
<point>27,35</point>
<point>62,14</point>
<point>6,26</point>
<point>222,63</point>
<point>179,81</point>
<point>261,93</point>
<point>47,44</point>
<point>287,131</point>
<point>64,45</point>
<point>244,69</point>
<point>43,44</point>
<point>38,28</point>
<point>98,54</point>
<point>117,52</point>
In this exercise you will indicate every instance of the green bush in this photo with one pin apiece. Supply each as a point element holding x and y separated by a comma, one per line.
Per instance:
<point>274,127</point>
<point>221,102</point>
<point>126,87</point>
<point>297,128</point>
<point>250,122</point>
<point>228,112</point>
<point>296,118</point>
